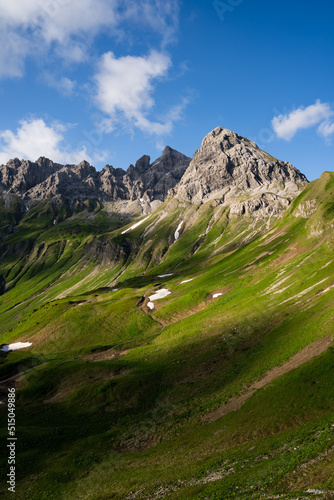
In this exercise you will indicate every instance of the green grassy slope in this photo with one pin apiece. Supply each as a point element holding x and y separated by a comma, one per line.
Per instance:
<point>112,395</point>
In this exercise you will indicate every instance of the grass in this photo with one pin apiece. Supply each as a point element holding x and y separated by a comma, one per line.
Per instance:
<point>111,395</point>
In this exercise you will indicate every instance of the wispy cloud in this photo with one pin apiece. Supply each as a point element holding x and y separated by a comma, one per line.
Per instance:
<point>34,138</point>
<point>161,16</point>
<point>326,130</point>
<point>63,85</point>
<point>286,126</point>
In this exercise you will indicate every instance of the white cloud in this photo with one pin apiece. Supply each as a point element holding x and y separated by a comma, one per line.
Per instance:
<point>125,87</point>
<point>286,126</point>
<point>31,28</point>
<point>57,20</point>
<point>68,27</point>
<point>34,138</point>
<point>64,85</point>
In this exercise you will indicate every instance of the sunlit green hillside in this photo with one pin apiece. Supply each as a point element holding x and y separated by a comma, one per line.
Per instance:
<point>122,396</point>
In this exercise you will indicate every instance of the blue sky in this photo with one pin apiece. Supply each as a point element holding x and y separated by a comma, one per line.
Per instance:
<point>111,80</point>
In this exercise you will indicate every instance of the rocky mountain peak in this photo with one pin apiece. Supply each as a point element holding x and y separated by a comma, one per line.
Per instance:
<point>83,169</point>
<point>44,162</point>
<point>168,152</point>
<point>14,163</point>
<point>228,166</point>
<point>18,176</point>
<point>152,181</point>
<point>142,164</point>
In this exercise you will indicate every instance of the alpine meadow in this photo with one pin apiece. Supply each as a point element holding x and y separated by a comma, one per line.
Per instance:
<point>176,323</point>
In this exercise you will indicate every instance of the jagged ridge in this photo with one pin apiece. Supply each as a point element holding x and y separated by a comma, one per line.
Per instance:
<point>45,179</point>
<point>227,167</point>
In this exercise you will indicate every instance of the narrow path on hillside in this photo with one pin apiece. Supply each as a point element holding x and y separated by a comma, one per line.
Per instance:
<point>22,372</point>
<point>310,351</point>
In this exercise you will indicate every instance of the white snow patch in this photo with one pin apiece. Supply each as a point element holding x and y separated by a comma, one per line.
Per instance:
<point>160,294</point>
<point>115,289</point>
<point>16,346</point>
<point>150,305</point>
<point>135,225</point>
<point>177,232</point>
<point>215,295</point>
<point>164,275</point>
<point>54,222</point>
<point>186,281</point>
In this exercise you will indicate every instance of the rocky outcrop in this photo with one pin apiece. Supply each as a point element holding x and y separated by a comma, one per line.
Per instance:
<point>232,169</point>
<point>145,182</point>
<point>305,210</point>
<point>153,181</point>
<point>18,176</point>
<point>70,183</point>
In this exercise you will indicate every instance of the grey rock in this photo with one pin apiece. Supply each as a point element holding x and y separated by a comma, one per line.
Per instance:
<point>18,176</point>
<point>71,183</point>
<point>228,167</point>
<point>306,209</point>
<point>144,183</point>
<point>153,181</point>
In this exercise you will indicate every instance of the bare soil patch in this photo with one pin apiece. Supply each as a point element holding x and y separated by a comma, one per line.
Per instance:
<point>103,355</point>
<point>310,351</point>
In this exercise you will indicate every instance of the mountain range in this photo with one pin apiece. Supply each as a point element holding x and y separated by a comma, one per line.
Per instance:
<point>176,322</point>
<point>225,167</point>
<point>45,179</point>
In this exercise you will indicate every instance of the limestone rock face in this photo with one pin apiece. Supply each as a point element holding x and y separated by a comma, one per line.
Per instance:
<point>18,176</point>
<point>306,209</point>
<point>70,182</point>
<point>227,168</point>
<point>231,168</point>
<point>111,183</point>
<point>153,181</point>
<point>143,183</point>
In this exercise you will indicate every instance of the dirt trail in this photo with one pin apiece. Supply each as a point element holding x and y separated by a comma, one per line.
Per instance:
<point>102,355</point>
<point>310,351</point>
